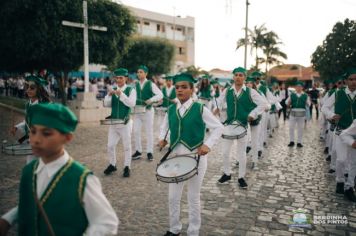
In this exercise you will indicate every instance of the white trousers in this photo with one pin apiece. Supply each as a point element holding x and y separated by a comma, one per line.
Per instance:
<point>293,121</point>
<point>332,149</point>
<point>241,155</point>
<point>117,132</point>
<point>175,195</point>
<point>255,131</point>
<point>263,131</point>
<point>345,163</point>
<point>147,120</point>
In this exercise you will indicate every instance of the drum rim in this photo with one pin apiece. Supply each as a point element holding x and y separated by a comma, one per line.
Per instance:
<point>17,144</point>
<point>103,121</point>
<point>16,152</point>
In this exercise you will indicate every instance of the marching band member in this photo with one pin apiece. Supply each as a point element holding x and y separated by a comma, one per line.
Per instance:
<point>298,102</point>
<point>243,106</point>
<point>36,92</point>
<point>169,92</point>
<point>206,92</point>
<point>58,195</point>
<point>187,121</point>
<point>121,100</point>
<point>341,108</point>
<point>147,93</point>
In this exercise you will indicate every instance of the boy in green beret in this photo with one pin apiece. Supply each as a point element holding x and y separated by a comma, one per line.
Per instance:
<point>36,93</point>
<point>298,102</point>
<point>147,93</point>
<point>121,99</point>
<point>187,120</point>
<point>340,107</point>
<point>169,92</point>
<point>58,196</point>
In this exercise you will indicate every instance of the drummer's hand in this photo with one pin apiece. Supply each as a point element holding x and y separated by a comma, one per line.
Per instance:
<point>148,102</point>
<point>336,117</point>
<point>118,92</point>
<point>216,112</point>
<point>4,227</point>
<point>354,145</point>
<point>250,118</point>
<point>111,92</point>
<point>203,150</point>
<point>13,130</point>
<point>162,143</point>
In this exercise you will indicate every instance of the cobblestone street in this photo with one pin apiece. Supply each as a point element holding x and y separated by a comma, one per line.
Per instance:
<point>286,179</point>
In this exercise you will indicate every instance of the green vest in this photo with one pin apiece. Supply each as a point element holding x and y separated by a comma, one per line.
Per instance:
<point>331,91</point>
<point>298,102</point>
<point>166,98</point>
<point>144,93</point>
<point>206,92</point>
<point>188,130</point>
<point>345,107</point>
<point>217,92</point>
<point>263,89</point>
<point>62,201</point>
<point>238,108</point>
<point>118,109</point>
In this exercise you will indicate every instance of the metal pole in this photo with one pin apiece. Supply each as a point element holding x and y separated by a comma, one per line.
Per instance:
<point>86,47</point>
<point>245,59</point>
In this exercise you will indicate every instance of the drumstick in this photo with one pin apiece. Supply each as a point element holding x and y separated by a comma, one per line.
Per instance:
<point>165,155</point>
<point>164,139</point>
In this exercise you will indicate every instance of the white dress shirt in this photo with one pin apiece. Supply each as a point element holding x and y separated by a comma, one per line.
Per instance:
<point>169,92</point>
<point>329,104</point>
<point>348,135</point>
<point>101,216</point>
<point>257,98</point>
<point>21,126</point>
<point>129,101</point>
<point>158,95</point>
<point>212,123</point>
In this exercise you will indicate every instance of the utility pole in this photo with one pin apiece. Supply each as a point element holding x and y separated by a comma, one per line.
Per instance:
<point>246,29</point>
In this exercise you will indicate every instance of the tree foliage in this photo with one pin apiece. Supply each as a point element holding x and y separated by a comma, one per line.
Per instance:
<point>156,53</point>
<point>33,37</point>
<point>337,52</point>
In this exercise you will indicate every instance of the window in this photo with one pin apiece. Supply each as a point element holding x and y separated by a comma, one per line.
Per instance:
<point>138,22</point>
<point>181,51</point>
<point>158,27</point>
<point>146,23</point>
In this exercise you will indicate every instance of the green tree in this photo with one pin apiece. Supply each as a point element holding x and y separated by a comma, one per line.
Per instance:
<point>33,37</point>
<point>156,53</point>
<point>272,52</point>
<point>337,52</point>
<point>255,39</point>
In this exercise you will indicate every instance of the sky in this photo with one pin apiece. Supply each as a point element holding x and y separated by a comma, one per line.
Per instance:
<point>301,25</point>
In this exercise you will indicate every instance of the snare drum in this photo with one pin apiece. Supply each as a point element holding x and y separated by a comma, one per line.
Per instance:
<point>139,109</point>
<point>112,122</point>
<point>298,112</point>
<point>177,169</point>
<point>17,149</point>
<point>256,121</point>
<point>234,131</point>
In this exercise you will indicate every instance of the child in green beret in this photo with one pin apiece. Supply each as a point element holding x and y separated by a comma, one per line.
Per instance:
<point>58,195</point>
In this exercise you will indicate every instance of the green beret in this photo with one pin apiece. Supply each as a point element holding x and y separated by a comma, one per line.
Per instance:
<point>339,78</point>
<point>37,80</point>
<point>256,74</point>
<point>214,81</point>
<point>183,77</point>
<point>239,70</point>
<point>299,83</point>
<point>250,79</point>
<point>227,84</point>
<point>53,115</point>
<point>350,71</point>
<point>262,82</point>
<point>144,68</point>
<point>168,77</point>
<point>121,72</point>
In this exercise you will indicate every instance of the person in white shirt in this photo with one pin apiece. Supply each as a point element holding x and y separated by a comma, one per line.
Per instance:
<point>48,204</point>
<point>299,102</point>
<point>121,99</point>
<point>194,117</point>
<point>147,93</point>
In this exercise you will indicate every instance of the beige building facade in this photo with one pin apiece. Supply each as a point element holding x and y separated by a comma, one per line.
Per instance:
<point>178,30</point>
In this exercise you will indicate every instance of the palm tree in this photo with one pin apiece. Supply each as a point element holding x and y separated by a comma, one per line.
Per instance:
<point>255,39</point>
<point>271,50</point>
<point>194,71</point>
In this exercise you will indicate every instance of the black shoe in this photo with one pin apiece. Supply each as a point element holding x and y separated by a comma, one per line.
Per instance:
<point>150,156</point>
<point>328,158</point>
<point>171,234</point>
<point>326,150</point>
<point>331,171</point>
<point>346,175</point>
<point>242,183</point>
<point>110,169</point>
<point>340,187</point>
<point>270,136</point>
<point>237,163</point>
<point>265,144</point>
<point>259,153</point>
<point>126,171</point>
<point>224,178</point>
<point>136,155</point>
<point>248,149</point>
<point>349,194</point>
<point>299,145</point>
<point>291,144</point>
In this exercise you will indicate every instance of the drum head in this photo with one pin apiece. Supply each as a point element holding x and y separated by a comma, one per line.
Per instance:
<point>18,149</point>
<point>176,166</point>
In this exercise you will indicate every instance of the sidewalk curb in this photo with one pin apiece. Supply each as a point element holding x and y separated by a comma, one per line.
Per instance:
<point>12,108</point>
